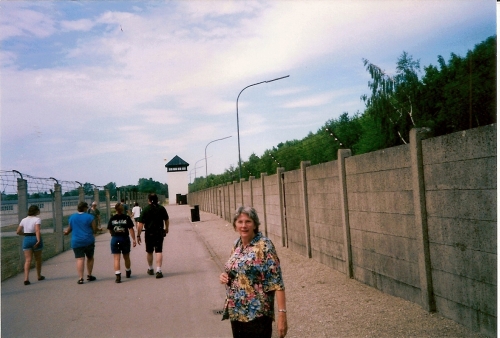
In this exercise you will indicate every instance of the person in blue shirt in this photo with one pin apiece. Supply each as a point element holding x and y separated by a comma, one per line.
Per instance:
<point>83,227</point>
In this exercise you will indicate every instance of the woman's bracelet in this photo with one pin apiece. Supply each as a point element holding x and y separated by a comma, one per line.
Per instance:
<point>282,310</point>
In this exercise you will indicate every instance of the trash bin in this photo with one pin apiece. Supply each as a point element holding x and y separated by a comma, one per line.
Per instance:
<point>195,214</point>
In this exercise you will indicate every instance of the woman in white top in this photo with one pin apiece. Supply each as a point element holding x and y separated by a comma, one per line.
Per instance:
<point>136,213</point>
<point>32,243</point>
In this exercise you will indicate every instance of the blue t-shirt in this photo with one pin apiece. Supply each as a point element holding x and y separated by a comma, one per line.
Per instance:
<point>81,228</point>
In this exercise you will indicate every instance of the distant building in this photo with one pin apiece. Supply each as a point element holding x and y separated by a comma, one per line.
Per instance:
<point>177,180</point>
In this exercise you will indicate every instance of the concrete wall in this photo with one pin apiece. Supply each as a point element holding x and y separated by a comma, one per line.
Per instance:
<point>460,180</point>
<point>327,242</point>
<point>274,213</point>
<point>416,221</point>
<point>294,212</point>
<point>381,217</point>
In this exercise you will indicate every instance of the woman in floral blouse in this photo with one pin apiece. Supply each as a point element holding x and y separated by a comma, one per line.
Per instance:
<point>253,278</point>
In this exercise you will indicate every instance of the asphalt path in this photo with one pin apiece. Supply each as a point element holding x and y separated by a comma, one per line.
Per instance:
<point>184,303</point>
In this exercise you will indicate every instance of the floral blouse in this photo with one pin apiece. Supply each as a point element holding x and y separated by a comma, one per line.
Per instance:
<point>255,274</point>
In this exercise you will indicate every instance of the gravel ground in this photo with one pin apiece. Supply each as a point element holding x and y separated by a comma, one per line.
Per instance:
<point>322,302</point>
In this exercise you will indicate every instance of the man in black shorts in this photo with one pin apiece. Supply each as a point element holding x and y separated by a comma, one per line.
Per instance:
<point>154,218</point>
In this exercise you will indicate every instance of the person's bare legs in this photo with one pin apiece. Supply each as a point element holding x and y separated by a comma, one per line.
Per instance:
<point>150,258</point>
<point>90,266</point>
<point>116,258</point>
<point>38,263</point>
<point>80,262</point>
<point>159,260</point>
<point>126,258</point>
<point>27,263</point>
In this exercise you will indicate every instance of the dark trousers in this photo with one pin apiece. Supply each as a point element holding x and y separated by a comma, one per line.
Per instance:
<point>261,327</point>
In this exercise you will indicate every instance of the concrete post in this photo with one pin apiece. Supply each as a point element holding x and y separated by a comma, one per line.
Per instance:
<point>424,259</point>
<point>264,216</point>
<point>108,205</point>
<point>96,197</point>
<point>234,195</point>
<point>303,169</point>
<point>284,234</point>
<point>241,190</point>
<point>118,195</point>
<point>58,218</point>
<point>250,179</point>
<point>22,211</point>
<point>81,195</point>
<point>344,209</point>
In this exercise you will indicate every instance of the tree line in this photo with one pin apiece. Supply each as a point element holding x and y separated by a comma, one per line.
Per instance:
<point>455,95</point>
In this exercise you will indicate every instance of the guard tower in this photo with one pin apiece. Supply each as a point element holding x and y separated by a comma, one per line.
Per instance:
<point>177,180</point>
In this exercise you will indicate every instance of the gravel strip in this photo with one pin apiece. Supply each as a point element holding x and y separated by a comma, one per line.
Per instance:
<point>322,302</point>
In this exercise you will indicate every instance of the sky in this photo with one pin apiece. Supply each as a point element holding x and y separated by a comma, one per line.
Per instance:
<point>110,91</point>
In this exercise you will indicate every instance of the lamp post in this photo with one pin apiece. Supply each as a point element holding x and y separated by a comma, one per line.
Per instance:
<point>195,167</point>
<point>206,166</point>
<point>237,117</point>
<point>194,173</point>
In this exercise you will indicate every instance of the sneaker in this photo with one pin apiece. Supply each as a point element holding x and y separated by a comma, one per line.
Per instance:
<point>151,272</point>
<point>128,273</point>
<point>118,278</point>
<point>159,274</point>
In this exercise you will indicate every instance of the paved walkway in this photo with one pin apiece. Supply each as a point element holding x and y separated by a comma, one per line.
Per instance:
<point>321,302</point>
<point>181,304</point>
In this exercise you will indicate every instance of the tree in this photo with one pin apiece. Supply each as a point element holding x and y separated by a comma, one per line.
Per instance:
<point>460,94</point>
<point>391,103</point>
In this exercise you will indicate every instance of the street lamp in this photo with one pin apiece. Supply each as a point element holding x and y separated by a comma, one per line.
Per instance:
<point>206,167</point>
<point>195,167</point>
<point>194,173</point>
<point>237,118</point>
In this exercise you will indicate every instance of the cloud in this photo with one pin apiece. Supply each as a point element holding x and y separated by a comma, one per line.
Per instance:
<point>17,20</point>
<point>312,100</point>
<point>83,25</point>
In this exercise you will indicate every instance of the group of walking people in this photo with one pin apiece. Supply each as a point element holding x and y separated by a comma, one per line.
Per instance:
<point>85,224</point>
<point>252,275</point>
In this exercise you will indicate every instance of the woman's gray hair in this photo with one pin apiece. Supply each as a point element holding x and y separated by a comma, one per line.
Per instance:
<point>250,212</point>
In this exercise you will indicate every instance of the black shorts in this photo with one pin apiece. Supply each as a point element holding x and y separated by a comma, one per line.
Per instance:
<point>83,251</point>
<point>260,327</point>
<point>154,242</point>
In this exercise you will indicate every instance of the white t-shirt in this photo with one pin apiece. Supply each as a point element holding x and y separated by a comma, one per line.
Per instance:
<point>29,223</point>
<point>136,211</point>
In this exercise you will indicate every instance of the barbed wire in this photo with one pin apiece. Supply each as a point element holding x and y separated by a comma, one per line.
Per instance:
<point>8,182</point>
<point>36,185</point>
<point>69,186</point>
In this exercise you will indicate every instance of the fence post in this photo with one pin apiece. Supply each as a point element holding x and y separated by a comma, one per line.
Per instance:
<point>241,190</point>
<point>303,169</point>
<point>284,235</point>
<point>96,196</point>
<point>81,195</point>
<point>58,218</point>
<point>250,179</point>
<point>234,194</point>
<point>424,259</point>
<point>344,209</point>
<point>108,205</point>
<point>22,211</point>
<point>263,187</point>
